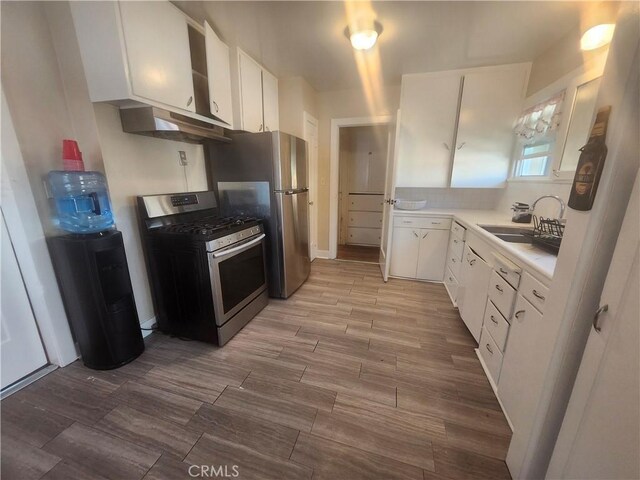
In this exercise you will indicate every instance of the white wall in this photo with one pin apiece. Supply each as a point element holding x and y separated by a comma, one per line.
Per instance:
<point>295,96</point>
<point>137,165</point>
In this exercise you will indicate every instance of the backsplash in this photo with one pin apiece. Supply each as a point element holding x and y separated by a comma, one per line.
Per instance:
<point>462,198</point>
<point>528,192</point>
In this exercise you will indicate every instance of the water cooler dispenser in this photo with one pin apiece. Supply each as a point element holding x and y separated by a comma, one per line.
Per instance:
<point>96,288</point>
<point>91,267</point>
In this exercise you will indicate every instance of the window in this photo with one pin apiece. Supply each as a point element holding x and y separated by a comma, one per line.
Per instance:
<point>534,159</point>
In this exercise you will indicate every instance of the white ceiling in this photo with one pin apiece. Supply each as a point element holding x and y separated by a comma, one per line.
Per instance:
<point>306,38</point>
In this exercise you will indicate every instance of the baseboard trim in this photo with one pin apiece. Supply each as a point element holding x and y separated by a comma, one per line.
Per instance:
<point>323,254</point>
<point>148,324</point>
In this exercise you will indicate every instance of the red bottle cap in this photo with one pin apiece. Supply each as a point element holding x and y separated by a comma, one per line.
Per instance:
<point>71,156</point>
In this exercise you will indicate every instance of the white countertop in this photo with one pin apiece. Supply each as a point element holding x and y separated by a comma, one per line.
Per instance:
<point>535,258</point>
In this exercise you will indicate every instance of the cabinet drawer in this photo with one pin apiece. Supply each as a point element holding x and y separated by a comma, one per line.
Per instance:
<point>366,203</point>
<point>501,294</point>
<point>496,324</point>
<point>491,355</point>
<point>458,230</point>
<point>451,284</point>
<point>454,263</point>
<point>456,247</point>
<point>364,236</point>
<point>534,291</point>
<point>507,270</point>
<point>434,223</point>
<point>364,219</point>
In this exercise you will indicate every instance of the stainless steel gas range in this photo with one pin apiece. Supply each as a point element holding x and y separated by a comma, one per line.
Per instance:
<point>207,272</point>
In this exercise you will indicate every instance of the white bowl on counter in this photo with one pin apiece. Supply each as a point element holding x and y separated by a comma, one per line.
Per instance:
<point>410,204</point>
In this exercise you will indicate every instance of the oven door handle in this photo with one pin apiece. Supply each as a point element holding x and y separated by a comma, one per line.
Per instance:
<point>224,253</point>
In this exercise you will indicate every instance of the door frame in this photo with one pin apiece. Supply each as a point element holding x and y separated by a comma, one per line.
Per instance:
<point>30,246</point>
<point>313,183</point>
<point>334,167</point>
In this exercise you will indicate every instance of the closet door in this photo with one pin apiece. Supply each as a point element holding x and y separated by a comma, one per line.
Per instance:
<point>429,104</point>
<point>491,103</point>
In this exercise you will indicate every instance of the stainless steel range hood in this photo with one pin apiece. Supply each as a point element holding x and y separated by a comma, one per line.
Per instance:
<point>156,122</point>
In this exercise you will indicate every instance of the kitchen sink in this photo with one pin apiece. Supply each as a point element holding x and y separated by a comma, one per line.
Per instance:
<point>510,234</point>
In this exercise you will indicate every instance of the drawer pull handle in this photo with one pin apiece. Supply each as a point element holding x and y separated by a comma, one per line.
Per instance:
<point>407,221</point>
<point>499,288</point>
<point>450,279</point>
<point>503,271</point>
<point>455,241</point>
<point>537,295</point>
<point>493,319</point>
<point>416,234</point>
<point>489,348</point>
<point>436,223</point>
<point>596,317</point>
<point>453,260</point>
<point>425,235</point>
<point>518,313</point>
<point>472,262</point>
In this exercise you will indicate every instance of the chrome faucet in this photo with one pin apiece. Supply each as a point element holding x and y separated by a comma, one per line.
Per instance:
<point>560,201</point>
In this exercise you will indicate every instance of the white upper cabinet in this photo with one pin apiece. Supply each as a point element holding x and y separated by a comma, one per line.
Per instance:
<point>491,103</point>
<point>457,126</point>
<point>219,76</point>
<point>139,53</point>
<point>270,102</point>
<point>258,96</point>
<point>429,105</point>
<point>250,94</point>
<point>157,44</point>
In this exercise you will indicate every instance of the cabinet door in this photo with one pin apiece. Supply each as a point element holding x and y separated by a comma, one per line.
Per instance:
<point>491,103</point>
<point>476,277</point>
<point>157,42</point>
<point>522,372</point>
<point>250,94</point>
<point>404,252</point>
<point>433,254</point>
<point>219,75</point>
<point>270,102</point>
<point>429,104</point>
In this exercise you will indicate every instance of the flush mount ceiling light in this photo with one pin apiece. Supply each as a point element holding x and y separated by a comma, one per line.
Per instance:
<point>363,35</point>
<point>597,36</point>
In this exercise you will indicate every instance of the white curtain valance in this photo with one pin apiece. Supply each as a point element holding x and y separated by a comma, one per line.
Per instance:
<point>537,122</point>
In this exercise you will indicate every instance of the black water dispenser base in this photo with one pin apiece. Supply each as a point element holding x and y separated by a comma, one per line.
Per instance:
<point>94,280</point>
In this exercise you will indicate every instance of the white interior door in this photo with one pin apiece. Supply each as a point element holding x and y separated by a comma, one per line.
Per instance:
<point>389,188</point>
<point>311,136</point>
<point>20,344</point>
<point>600,436</point>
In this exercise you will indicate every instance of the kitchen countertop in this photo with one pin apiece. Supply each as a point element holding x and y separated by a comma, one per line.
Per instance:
<point>530,256</point>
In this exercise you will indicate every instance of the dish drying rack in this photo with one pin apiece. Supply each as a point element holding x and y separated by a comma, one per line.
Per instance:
<point>547,233</point>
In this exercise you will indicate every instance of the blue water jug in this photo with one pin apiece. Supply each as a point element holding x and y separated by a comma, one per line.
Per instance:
<point>82,201</point>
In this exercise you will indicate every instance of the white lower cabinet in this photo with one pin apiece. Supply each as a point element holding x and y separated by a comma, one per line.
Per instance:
<point>451,284</point>
<point>475,274</point>
<point>522,369</point>
<point>432,254</point>
<point>419,253</point>
<point>491,355</point>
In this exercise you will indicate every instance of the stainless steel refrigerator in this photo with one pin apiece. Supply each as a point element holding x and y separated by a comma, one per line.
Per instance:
<point>266,175</point>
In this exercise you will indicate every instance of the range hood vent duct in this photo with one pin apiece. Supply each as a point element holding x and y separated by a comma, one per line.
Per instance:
<point>159,123</point>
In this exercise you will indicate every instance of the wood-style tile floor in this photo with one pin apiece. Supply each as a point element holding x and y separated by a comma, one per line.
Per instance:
<point>358,253</point>
<point>350,378</point>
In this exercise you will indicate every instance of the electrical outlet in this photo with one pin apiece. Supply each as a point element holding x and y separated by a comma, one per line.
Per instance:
<point>183,158</point>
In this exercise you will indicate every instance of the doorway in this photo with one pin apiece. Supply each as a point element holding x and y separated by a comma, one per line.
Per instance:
<point>311,136</point>
<point>362,163</point>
